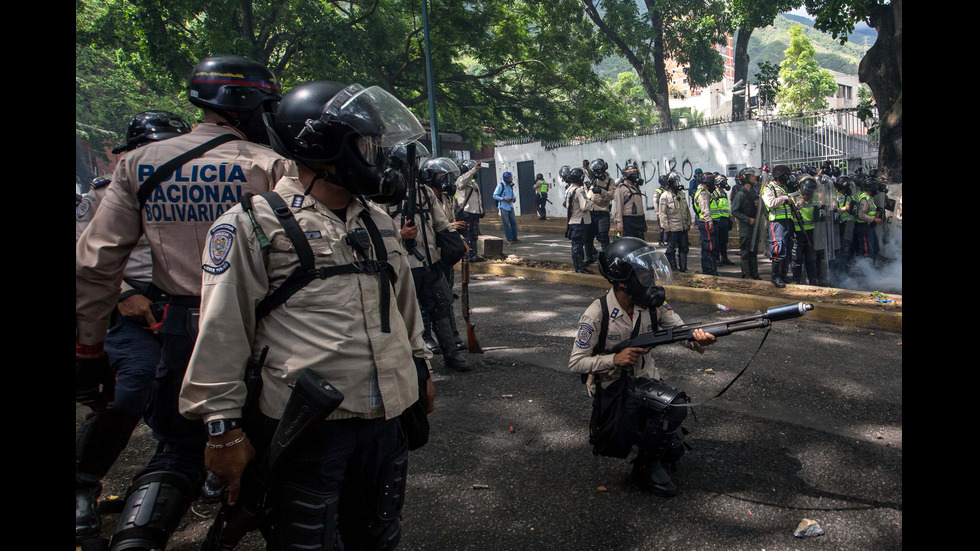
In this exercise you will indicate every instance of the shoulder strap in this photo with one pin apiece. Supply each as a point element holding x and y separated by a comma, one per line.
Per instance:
<point>307,270</point>
<point>600,346</point>
<point>168,168</point>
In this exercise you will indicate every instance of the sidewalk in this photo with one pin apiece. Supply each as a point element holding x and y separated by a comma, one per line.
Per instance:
<point>544,253</point>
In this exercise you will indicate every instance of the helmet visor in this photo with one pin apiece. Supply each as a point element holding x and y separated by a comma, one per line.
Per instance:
<point>379,118</point>
<point>650,267</point>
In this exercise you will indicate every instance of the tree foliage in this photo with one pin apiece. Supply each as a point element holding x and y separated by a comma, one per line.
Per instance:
<point>501,68</point>
<point>746,16</point>
<point>683,30</point>
<point>805,85</point>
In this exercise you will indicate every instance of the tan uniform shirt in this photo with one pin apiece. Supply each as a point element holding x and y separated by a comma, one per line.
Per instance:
<point>673,211</point>
<point>332,325</point>
<point>600,366</point>
<point>628,202</point>
<point>773,195</point>
<point>436,220</point>
<point>139,267</point>
<point>579,205</point>
<point>702,197</point>
<point>602,201</point>
<point>176,218</point>
<point>468,192</point>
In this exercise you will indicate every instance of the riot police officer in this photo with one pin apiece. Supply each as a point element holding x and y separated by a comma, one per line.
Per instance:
<point>197,177</point>
<point>579,205</point>
<point>541,195</point>
<point>745,208</point>
<point>804,253</point>
<point>131,346</point>
<point>636,300</point>
<point>602,191</point>
<point>780,206</point>
<point>675,218</point>
<point>353,320</point>
<point>705,212</point>
<point>433,275</point>
<point>628,212</point>
<point>867,216</point>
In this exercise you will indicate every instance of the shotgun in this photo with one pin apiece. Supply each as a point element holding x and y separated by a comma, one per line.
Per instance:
<point>472,345</point>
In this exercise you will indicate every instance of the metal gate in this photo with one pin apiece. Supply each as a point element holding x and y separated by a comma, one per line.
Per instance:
<point>838,136</point>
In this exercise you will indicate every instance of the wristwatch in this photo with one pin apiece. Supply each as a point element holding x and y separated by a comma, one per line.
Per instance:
<point>219,427</point>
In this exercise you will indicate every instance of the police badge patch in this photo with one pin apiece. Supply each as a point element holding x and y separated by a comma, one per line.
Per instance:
<point>219,247</point>
<point>585,332</point>
<point>82,209</point>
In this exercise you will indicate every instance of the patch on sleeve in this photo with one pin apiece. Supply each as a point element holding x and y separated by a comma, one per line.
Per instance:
<point>667,307</point>
<point>585,332</point>
<point>298,201</point>
<point>385,232</point>
<point>219,247</point>
<point>313,234</point>
<point>82,209</point>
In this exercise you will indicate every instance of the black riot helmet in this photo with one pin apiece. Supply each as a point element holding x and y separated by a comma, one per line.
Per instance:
<point>808,185</point>
<point>325,123</point>
<point>575,176</point>
<point>539,176</point>
<point>708,179</point>
<point>638,267</point>
<point>662,180</point>
<point>563,172</point>
<point>152,126</point>
<point>599,168</point>
<point>674,180</point>
<point>398,160</point>
<point>744,175</point>
<point>721,181</point>
<point>845,185</point>
<point>231,83</point>
<point>439,173</point>
<point>632,173</point>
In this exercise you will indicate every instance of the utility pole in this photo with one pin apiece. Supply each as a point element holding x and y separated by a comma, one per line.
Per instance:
<point>430,81</point>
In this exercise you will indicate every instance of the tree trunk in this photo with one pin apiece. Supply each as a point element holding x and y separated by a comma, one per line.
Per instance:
<point>741,71</point>
<point>881,70</point>
<point>660,69</point>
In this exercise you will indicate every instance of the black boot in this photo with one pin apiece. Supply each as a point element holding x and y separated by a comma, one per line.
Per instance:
<point>649,474</point>
<point>444,332</point>
<point>88,524</point>
<point>430,343</point>
<point>777,279</point>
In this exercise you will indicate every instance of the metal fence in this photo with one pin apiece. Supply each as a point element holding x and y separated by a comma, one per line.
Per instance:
<point>838,136</point>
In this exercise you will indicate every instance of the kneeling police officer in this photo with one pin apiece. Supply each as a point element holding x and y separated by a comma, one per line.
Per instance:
<point>354,321</point>
<point>636,303</point>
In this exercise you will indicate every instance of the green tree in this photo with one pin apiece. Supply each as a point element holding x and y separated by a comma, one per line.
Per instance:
<point>628,90</point>
<point>748,15</point>
<point>767,82</point>
<point>108,94</point>
<point>501,68</point>
<point>683,30</point>
<point>880,69</point>
<point>805,85</point>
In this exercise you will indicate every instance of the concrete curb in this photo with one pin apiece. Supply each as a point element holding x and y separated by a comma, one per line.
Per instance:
<point>848,316</point>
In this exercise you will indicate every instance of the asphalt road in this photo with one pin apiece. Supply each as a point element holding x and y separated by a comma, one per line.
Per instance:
<point>813,430</point>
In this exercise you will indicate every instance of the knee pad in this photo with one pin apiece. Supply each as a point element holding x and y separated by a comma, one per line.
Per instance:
<point>303,518</point>
<point>657,411</point>
<point>383,530</point>
<point>154,505</point>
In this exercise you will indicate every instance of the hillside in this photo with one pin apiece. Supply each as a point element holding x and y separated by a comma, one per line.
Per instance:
<point>770,43</point>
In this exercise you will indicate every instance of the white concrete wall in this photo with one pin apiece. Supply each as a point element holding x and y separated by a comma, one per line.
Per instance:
<point>724,148</point>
